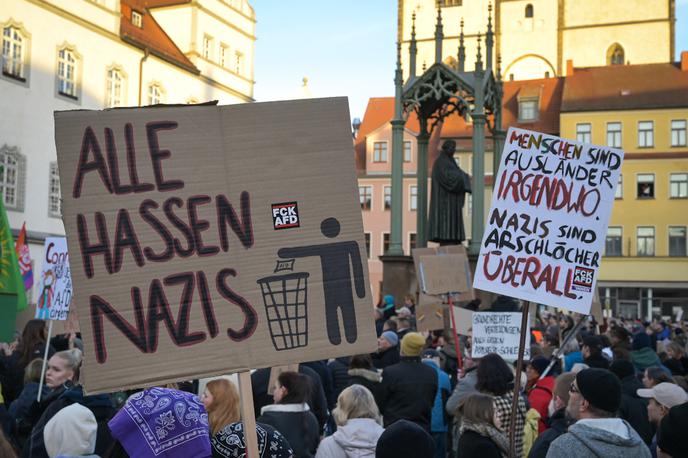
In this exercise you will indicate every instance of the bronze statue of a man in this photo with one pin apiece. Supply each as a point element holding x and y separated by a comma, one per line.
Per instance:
<point>447,197</point>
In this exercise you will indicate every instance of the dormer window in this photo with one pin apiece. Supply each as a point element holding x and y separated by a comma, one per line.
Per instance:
<point>528,109</point>
<point>137,19</point>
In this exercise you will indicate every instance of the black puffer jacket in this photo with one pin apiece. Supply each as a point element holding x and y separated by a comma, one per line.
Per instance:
<point>407,392</point>
<point>634,408</point>
<point>297,424</point>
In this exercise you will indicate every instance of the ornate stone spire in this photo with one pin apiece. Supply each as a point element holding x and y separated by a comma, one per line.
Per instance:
<point>439,35</point>
<point>489,38</point>
<point>413,49</point>
<point>478,57</point>
<point>462,51</point>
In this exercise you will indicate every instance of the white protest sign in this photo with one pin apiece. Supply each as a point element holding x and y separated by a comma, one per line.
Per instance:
<point>498,332</point>
<point>55,293</point>
<point>546,227</point>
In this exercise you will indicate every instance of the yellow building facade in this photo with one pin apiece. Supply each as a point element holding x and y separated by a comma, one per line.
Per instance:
<point>645,268</point>
<point>535,38</point>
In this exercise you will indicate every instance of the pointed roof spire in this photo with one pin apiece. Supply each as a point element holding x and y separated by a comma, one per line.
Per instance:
<point>413,49</point>
<point>478,57</point>
<point>489,38</point>
<point>462,51</point>
<point>439,34</point>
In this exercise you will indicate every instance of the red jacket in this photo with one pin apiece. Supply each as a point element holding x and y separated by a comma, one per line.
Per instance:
<point>539,396</point>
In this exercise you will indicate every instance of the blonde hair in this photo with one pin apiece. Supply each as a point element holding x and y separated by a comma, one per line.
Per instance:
<point>478,408</point>
<point>32,372</point>
<point>73,358</point>
<point>225,406</point>
<point>355,401</point>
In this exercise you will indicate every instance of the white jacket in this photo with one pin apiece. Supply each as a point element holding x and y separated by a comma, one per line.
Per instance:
<point>356,439</point>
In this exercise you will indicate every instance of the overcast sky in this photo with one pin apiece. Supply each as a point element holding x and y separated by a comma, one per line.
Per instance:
<point>343,48</point>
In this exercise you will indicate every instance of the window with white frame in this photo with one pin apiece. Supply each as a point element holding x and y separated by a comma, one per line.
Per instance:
<point>12,174</point>
<point>677,241</point>
<point>614,134</point>
<point>13,52</point>
<point>678,185</point>
<point>207,46</point>
<point>54,198</point>
<point>584,132</point>
<point>155,94</point>
<point>413,200</point>
<point>137,19</point>
<point>528,109</point>
<point>618,193</point>
<point>380,152</point>
<point>387,197</point>
<point>224,55</point>
<point>646,241</point>
<point>678,132</point>
<point>115,88</point>
<point>646,134</point>
<point>238,63</point>
<point>365,196</point>
<point>67,72</point>
<point>613,241</point>
<point>646,186</point>
<point>407,151</point>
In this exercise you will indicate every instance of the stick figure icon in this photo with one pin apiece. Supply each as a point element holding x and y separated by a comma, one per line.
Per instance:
<point>337,260</point>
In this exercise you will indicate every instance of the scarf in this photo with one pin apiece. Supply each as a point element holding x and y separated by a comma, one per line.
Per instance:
<point>490,432</point>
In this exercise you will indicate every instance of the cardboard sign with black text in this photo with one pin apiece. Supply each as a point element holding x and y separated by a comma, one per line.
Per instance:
<point>207,240</point>
<point>546,228</point>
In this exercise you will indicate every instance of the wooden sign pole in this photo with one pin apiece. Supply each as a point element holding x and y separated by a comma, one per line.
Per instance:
<point>517,380</point>
<point>248,416</point>
<point>459,358</point>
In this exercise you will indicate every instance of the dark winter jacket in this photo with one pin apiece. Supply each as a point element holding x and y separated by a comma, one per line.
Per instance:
<point>317,401</point>
<point>19,412</point>
<point>340,379</point>
<point>633,408</point>
<point>297,424</point>
<point>101,407</point>
<point>408,391</point>
<point>323,371</point>
<point>677,366</point>
<point>556,426</point>
<point>644,358</point>
<point>597,361</point>
<point>386,358</point>
<point>475,444</point>
<point>369,378</point>
<point>12,371</point>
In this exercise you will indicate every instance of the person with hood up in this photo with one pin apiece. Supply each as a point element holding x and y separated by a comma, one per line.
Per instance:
<point>387,307</point>
<point>438,425</point>
<point>595,396</point>
<point>642,354</point>
<point>71,433</point>
<point>291,416</point>
<point>358,426</point>
<point>539,389</point>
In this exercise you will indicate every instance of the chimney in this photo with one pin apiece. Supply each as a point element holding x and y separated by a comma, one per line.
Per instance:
<point>569,67</point>
<point>684,61</point>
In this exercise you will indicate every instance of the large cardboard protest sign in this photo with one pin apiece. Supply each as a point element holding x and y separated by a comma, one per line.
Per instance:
<point>546,228</point>
<point>55,287</point>
<point>429,317</point>
<point>464,295</point>
<point>497,332</point>
<point>444,273</point>
<point>208,240</point>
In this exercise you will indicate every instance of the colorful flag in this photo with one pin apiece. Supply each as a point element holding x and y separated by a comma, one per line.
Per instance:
<point>12,294</point>
<point>24,258</point>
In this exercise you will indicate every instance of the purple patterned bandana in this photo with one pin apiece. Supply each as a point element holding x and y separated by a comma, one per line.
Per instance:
<point>161,422</point>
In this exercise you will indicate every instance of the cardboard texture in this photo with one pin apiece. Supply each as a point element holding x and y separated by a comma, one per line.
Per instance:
<point>546,227</point>
<point>56,282</point>
<point>464,320</point>
<point>429,317</point>
<point>276,371</point>
<point>212,239</point>
<point>443,273</point>
<point>498,332</point>
<point>424,298</point>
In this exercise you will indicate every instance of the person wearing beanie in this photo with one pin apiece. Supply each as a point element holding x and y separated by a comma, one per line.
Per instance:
<point>404,438</point>
<point>539,390</point>
<point>642,354</point>
<point>671,434</point>
<point>661,397</point>
<point>408,388</point>
<point>387,350</point>
<point>558,422</point>
<point>633,409</point>
<point>71,433</point>
<point>594,398</point>
<point>592,352</point>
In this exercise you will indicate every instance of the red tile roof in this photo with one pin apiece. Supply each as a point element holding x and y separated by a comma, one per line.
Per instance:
<point>549,90</point>
<point>151,36</point>
<point>626,87</point>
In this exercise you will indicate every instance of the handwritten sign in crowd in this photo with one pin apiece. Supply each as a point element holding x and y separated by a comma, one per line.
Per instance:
<point>546,227</point>
<point>55,293</point>
<point>213,239</point>
<point>497,332</point>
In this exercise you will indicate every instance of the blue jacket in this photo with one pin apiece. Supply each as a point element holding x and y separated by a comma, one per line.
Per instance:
<point>571,359</point>
<point>439,423</point>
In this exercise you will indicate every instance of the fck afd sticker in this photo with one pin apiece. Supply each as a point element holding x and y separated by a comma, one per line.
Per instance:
<point>582,279</point>
<point>285,215</point>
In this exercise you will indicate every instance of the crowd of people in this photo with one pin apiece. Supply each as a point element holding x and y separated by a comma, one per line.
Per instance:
<point>612,389</point>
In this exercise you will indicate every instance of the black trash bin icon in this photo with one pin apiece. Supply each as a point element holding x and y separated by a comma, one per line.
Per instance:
<point>285,298</point>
